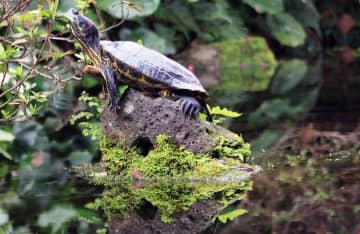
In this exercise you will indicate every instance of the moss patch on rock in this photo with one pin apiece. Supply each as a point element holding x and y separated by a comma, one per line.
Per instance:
<point>170,177</point>
<point>245,64</point>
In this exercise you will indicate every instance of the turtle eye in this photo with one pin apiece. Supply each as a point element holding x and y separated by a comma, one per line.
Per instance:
<point>74,11</point>
<point>82,24</point>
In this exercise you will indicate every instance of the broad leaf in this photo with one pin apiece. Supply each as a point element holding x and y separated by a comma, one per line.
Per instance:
<point>286,29</point>
<point>288,76</point>
<point>119,9</point>
<point>266,6</point>
<point>78,158</point>
<point>224,112</point>
<point>149,39</point>
<point>304,12</point>
<point>56,217</point>
<point>6,136</point>
<point>4,217</point>
<point>231,215</point>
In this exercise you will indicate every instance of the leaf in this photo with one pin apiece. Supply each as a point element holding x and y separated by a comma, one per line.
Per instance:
<point>4,153</point>
<point>224,112</point>
<point>286,29</point>
<point>305,12</point>
<point>270,111</point>
<point>265,140</point>
<point>6,136</point>
<point>89,82</point>
<point>4,217</point>
<point>2,52</point>
<point>57,217</point>
<point>149,39</point>
<point>231,215</point>
<point>122,89</point>
<point>121,9</point>
<point>266,6</point>
<point>78,158</point>
<point>288,76</point>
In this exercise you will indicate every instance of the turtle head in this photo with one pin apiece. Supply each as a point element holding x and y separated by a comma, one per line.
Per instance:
<point>83,29</point>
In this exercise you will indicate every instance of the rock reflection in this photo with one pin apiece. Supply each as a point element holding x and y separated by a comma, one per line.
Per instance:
<point>167,205</point>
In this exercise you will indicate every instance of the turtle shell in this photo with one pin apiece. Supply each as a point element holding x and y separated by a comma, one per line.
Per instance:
<point>146,67</point>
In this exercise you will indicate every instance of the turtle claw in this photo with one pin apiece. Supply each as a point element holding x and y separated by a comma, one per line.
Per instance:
<point>189,106</point>
<point>114,105</point>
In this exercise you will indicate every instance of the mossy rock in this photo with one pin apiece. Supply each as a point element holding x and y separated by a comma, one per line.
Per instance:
<point>142,118</point>
<point>245,64</point>
<point>170,178</point>
<point>156,155</point>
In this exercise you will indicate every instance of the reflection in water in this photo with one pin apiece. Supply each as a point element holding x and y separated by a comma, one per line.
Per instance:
<point>299,194</point>
<point>167,205</point>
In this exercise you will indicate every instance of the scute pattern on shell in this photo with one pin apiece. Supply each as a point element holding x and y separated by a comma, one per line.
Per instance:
<point>155,66</point>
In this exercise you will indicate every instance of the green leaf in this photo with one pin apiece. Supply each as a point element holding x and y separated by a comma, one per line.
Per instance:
<point>89,82</point>
<point>78,158</point>
<point>122,89</point>
<point>270,111</point>
<point>5,154</point>
<point>57,217</point>
<point>224,112</point>
<point>6,136</point>
<point>289,75</point>
<point>2,52</point>
<point>305,12</point>
<point>266,6</point>
<point>231,215</point>
<point>122,9</point>
<point>149,39</point>
<point>4,217</point>
<point>266,139</point>
<point>286,29</point>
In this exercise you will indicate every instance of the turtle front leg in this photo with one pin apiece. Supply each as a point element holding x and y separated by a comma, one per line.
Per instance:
<point>110,85</point>
<point>92,70</point>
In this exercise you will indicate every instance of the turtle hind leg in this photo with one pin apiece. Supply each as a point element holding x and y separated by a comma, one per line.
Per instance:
<point>189,106</point>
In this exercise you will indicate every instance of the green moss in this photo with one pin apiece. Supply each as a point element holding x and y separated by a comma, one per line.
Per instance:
<point>237,149</point>
<point>117,157</point>
<point>174,178</point>
<point>166,160</point>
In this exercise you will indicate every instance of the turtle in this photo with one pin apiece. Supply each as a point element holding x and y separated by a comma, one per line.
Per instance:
<point>138,67</point>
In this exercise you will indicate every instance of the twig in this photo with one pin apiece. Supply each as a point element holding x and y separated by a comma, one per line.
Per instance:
<point>101,18</point>
<point>121,21</point>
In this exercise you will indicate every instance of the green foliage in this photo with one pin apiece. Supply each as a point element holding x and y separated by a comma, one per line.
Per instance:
<point>89,128</point>
<point>127,9</point>
<point>231,215</point>
<point>286,29</point>
<point>271,7</point>
<point>6,138</point>
<point>288,76</point>
<point>265,140</point>
<point>56,217</point>
<point>219,114</point>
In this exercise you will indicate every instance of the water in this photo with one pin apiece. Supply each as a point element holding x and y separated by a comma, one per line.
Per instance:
<point>298,194</point>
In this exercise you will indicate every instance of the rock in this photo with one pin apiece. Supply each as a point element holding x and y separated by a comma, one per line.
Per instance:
<point>195,220</point>
<point>142,118</point>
